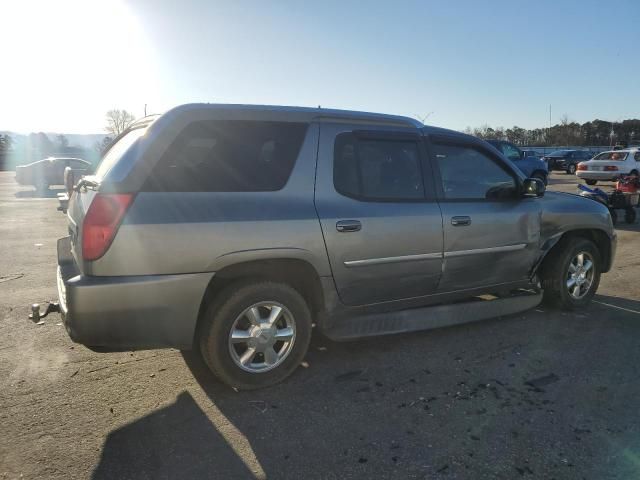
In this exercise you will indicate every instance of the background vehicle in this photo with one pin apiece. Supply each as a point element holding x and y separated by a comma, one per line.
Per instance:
<point>235,236</point>
<point>567,160</point>
<point>610,165</point>
<point>49,171</point>
<point>532,154</point>
<point>526,161</point>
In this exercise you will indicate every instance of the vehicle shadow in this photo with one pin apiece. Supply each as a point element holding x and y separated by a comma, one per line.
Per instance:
<point>429,403</point>
<point>177,441</point>
<point>48,193</point>
<point>415,401</point>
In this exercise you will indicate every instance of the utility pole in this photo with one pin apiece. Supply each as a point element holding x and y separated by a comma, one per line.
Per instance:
<point>549,140</point>
<point>145,109</point>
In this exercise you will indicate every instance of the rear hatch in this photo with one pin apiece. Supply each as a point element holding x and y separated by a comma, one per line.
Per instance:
<point>93,216</point>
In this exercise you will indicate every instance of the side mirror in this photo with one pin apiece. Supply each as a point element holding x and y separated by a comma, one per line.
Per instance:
<point>533,187</point>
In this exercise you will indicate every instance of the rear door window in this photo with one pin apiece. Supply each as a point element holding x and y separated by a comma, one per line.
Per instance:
<point>370,169</point>
<point>229,156</point>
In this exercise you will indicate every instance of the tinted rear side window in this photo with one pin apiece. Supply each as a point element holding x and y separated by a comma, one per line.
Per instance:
<point>377,170</point>
<point>229,156</point>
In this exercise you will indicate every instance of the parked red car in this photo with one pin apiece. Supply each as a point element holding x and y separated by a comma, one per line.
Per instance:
<point>49,171</point>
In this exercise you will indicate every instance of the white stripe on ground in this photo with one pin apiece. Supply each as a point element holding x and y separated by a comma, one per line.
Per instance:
<point>615,306</point>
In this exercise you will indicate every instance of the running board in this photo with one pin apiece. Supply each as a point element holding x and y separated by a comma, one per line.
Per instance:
<point>427,318</point>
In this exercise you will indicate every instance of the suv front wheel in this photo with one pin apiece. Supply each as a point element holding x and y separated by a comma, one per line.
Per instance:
<point>571,273</point>
<point>255,334</point>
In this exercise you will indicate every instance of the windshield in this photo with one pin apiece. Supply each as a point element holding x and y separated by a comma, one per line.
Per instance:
<point>115,153</point>
<point>616,156</point>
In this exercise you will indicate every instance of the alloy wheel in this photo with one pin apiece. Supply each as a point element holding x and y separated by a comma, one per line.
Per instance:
<point>262,337</point>
<point>580,275</point>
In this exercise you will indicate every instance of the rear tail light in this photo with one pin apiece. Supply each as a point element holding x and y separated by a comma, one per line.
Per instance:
<point>610,168</point>
<point>101,223</point>
<point>582,167</point>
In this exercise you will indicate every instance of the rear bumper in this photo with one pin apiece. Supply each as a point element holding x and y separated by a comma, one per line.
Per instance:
<point>593,175</point>
<point>129,312</point>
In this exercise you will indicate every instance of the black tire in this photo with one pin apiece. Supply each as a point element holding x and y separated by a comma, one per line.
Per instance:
<point>555,272</point>
<point>591,182</point>
<point>634,172</point>
<point>571,169</point>
<point>540,176</point>
<point>220,316</point>
<point>630,215</point>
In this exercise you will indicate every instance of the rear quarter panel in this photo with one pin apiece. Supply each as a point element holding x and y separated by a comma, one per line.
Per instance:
<point>168,233</point>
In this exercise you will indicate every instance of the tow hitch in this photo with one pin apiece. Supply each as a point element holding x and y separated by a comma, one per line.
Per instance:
<point>35,317</point>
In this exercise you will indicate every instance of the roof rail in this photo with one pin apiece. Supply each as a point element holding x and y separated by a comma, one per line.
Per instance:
<point>380,118</point>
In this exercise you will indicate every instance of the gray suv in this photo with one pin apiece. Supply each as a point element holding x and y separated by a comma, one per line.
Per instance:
<point>236,229</point>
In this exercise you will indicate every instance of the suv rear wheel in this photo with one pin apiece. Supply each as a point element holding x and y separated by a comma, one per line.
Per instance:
<point>255,334</point>
<point>571,169</point>
<point>571,273</point>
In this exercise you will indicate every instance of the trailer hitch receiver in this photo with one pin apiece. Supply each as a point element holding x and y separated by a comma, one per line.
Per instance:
<point>35,316</point>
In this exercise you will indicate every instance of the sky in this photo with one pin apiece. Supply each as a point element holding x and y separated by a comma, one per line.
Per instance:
<point>455,63</point>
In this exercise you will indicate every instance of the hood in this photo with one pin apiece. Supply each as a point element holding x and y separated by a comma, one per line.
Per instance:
<point>570,211</point>
<point>575,201</point>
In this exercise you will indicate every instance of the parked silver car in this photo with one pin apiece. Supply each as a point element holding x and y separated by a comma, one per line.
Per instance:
<point>49,171</point>
<point>235,229</point>
<point>610,165</point>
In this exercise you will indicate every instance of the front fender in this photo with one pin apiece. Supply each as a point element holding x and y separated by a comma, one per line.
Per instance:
<point>567,214</point>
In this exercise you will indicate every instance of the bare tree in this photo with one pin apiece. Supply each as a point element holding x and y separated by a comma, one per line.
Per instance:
<point>118,121</point>
<point>63,142</point>
<point>100,147</point>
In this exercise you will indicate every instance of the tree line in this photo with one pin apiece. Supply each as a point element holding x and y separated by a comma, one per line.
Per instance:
<point>21,149</point>
<point>566,133</point>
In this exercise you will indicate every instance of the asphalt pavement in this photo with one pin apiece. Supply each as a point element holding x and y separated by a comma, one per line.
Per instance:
<point>543,394</point>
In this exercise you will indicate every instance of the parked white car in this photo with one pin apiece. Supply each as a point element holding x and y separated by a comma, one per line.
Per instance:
<point>610,165</point>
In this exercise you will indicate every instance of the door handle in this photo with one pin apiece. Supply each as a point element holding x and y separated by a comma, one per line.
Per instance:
<point>348,225</point>
<point>461,221</point>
